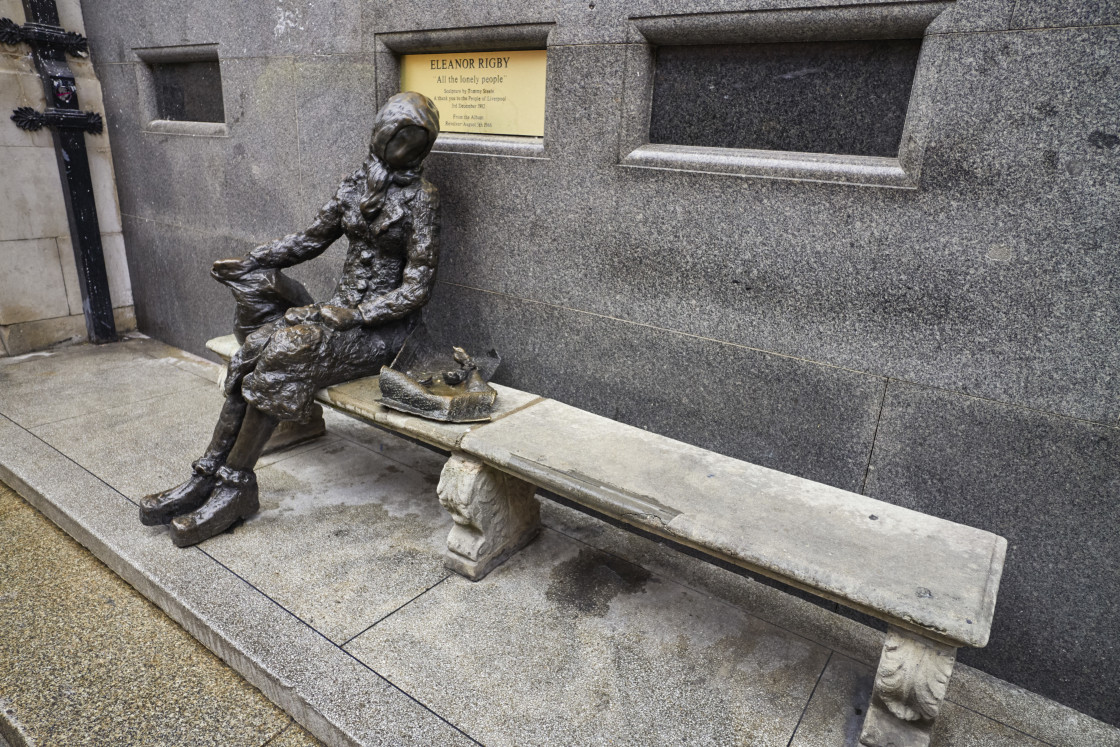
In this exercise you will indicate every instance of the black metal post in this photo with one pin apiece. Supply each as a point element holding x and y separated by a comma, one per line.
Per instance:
<point>73,167</point>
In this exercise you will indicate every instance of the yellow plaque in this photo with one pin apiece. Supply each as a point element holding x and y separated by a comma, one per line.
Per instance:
<point>497,93</point>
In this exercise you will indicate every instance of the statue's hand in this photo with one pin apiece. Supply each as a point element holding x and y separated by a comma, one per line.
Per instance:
<point>340,317</point>
<point>232,268</point>
<point>301,315</point>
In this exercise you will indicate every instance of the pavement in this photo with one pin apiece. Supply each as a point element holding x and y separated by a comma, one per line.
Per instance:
<point>334,607</point>
<point>88,660</point>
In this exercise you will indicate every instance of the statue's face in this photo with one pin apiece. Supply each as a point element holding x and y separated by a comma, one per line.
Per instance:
<point>406,146</point>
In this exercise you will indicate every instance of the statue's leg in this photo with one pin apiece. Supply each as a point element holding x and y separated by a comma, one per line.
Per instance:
<point>910,686</point>
<point>495,515</point>
<point>289,433</point>
<point>160,508</point>
<point>235,493</point>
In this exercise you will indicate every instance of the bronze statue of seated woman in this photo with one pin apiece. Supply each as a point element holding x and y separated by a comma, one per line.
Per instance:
<point>390,215</point>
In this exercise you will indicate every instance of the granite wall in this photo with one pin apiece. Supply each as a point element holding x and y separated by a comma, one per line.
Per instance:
<point>936,330</point>
<point>40,295</point>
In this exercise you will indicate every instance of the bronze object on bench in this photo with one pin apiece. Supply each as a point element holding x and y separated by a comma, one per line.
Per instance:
<point>437,380</point>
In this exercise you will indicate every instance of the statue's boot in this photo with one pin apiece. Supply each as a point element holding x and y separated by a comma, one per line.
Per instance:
<point>160,508</point>
<point>234,498</point>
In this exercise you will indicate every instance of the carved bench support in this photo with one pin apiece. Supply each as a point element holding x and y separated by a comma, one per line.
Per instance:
<point>910,686</point>
<point>495,515</point>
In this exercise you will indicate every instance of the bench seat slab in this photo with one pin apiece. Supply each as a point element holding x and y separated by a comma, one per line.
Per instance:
<point>361,398</point>
<point>933,581</point>
<point>915,571</point>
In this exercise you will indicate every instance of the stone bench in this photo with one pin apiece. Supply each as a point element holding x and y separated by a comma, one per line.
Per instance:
<point>932,581</point>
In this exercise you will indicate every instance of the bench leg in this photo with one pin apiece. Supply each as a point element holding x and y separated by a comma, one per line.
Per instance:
<point>910,685</point>
<point>495,515</point>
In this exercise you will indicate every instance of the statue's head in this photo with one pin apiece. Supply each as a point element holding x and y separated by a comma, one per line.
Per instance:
<point>404,131</point>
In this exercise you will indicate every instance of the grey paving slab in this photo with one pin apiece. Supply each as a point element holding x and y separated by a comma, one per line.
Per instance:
<point>836,711</point>
<point>1028,712</point>
<point>1044,482</point>
<point>89,661</point>
<point>834,716</point>
<point>153,441</point>
<point>856,646</point>
<point>344,537</point>
<point>339,698</point>
<point>293,736</point>
<point>327,691</point>
<point>177,357</point>
<point>911,569</point>
<point>810,618</point>
<point>564,644</point>
<point>959,727</point>
<point>66,382</point>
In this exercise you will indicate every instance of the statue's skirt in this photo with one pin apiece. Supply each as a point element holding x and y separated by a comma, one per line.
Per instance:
<point>280,367</point>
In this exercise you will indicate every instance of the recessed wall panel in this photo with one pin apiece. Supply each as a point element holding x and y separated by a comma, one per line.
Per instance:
<point>845,98</point>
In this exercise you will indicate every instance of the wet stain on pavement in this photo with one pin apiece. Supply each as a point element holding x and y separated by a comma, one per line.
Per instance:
<point>588,582</point>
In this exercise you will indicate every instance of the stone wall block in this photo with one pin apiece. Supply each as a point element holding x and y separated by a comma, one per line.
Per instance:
<point>1043,482</point>
<point>337,96</point>
<point>31,284</point>
<point>1033,14</point>
<point>104,187</point>
<point>584,106</point>
<point>116,267</point>
<point>245,29</point>
<point>973,16</point>
<point>32,207</point>
<point>27,337</point>
<point>217,178</point>
<point>809,420</point>
<point>20,86</point>
<point>175,297</point>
